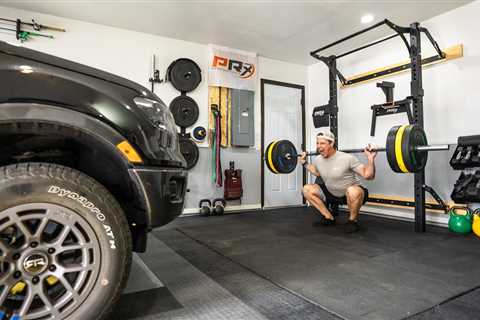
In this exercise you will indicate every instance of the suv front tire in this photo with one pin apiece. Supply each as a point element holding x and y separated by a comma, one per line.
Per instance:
<point>65,245</point>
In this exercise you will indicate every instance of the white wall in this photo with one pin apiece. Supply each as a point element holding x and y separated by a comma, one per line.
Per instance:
<point>129,54</point>
<point>450,101</point>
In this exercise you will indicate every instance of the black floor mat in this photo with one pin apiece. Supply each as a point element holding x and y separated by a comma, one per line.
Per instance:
<point>386,271</point>
<point>270,300</point>
<point>144,303</point>
<point>465,307</point>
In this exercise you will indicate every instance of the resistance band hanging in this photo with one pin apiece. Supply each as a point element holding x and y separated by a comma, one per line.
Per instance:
<point>216,146</point>
<point>218,137</point>
<point>218,141</point>
<point>214,169</point>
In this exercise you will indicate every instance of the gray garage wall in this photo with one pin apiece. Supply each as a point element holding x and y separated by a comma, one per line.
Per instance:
<point>450,102</point>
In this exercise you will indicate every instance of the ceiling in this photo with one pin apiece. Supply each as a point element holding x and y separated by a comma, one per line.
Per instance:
<point>283,30</point>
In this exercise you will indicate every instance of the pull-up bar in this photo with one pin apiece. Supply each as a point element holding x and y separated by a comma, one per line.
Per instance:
<point>367,45</point>
<point>399,31</point>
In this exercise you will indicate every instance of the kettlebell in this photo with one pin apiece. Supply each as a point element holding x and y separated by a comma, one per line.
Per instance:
<point>205,206</point>
<point>460,223</point>
<point>476,222</point>
<point>219,206</point>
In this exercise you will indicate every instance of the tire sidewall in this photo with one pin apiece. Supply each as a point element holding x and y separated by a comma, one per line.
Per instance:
<point>104,218</point>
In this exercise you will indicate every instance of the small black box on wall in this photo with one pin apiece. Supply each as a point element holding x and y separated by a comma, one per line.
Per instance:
<point>321,116</point>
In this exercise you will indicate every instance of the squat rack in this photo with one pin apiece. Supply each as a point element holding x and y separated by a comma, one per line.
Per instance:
<point>414,49</point>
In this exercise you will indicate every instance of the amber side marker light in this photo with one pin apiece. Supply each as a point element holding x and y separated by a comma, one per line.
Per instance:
<point>129,152</point>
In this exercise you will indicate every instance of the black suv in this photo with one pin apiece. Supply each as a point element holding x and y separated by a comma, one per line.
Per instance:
<point>89,163</point>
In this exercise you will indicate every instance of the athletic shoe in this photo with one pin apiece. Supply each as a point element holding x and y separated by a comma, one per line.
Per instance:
<point>352,226</point>
<point>324,222</point>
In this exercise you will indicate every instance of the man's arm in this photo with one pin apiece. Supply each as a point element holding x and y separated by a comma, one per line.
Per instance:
<point>310,167</point>
<point>368,171</point>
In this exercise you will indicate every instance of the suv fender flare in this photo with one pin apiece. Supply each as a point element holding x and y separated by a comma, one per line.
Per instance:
<point>92,129</point>
<point>35,112</point>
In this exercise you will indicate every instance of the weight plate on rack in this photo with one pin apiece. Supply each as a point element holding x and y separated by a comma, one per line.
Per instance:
<point>189,150</point>
<point>184,110</point>
<point>184,74</point>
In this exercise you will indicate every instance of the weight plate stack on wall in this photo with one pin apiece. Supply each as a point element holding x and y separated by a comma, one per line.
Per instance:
<point>185,76</point>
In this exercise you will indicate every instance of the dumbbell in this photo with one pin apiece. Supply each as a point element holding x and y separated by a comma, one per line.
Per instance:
<point>468,154</point>
<point>471,191</point>
<point>219,205</point>
<point>205,206</point>
<point>475,155</point>
<point>458,156</point>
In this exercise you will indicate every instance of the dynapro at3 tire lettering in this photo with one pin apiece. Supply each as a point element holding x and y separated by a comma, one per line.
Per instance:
<point>65,245</point>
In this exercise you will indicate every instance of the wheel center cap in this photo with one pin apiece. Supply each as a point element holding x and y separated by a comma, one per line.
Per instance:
<point>35,263</point>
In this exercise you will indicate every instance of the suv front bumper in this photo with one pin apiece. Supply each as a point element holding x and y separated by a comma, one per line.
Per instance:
<point>163,191</point>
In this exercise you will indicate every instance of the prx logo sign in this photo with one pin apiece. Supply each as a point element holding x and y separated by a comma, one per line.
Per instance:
<point>243,69</point>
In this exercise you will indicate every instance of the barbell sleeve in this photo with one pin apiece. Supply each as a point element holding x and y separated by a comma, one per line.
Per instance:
<point>433,147</point>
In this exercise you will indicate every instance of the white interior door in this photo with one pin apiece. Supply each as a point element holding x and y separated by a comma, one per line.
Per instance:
<point>282,120</point>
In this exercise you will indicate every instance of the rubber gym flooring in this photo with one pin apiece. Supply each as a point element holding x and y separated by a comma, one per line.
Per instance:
<point>275,265</point>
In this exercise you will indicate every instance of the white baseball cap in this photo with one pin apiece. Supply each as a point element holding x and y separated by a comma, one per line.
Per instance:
<point>326,135</point>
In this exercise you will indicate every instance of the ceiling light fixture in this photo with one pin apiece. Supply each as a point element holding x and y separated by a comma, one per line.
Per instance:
<point>367,18</point>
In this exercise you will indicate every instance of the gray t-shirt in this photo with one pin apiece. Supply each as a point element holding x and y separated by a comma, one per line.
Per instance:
<point>338,172</point>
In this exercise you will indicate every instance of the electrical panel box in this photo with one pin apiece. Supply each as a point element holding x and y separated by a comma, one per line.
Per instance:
<point>242,123</point>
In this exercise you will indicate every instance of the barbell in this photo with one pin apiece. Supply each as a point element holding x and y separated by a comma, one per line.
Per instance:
<point>406,148</point>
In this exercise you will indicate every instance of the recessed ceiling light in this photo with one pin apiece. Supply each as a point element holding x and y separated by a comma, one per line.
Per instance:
<point>367,18</point>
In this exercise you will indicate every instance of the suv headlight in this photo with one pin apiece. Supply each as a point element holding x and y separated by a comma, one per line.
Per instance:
<point>157,113</point>
<point>161,118</point>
